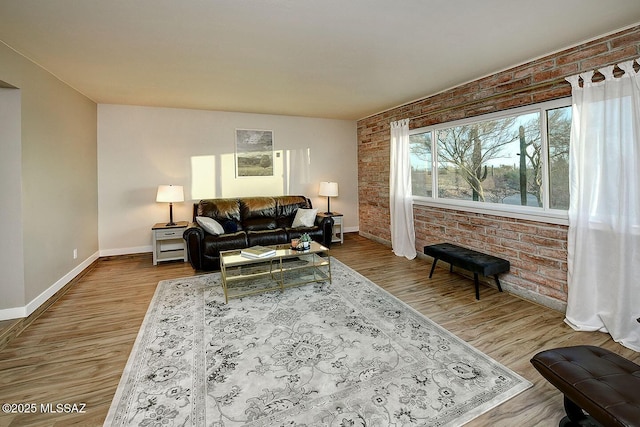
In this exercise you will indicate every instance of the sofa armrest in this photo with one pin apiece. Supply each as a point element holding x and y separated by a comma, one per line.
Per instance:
<point>326,225</point>
<point>193,236</point>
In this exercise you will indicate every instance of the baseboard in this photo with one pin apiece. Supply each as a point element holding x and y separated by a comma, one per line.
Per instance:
<point>535,298</point>
<point>525,294</point>
<point>51,291</point>
<point>24,316</point>
<point>18,312</point>
<point>375,238</point>
<point>13,313</point>
<point>126,251</point>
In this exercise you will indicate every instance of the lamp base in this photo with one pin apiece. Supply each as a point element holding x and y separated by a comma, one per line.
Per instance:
<point>328,212</point>
<point>170,223</point>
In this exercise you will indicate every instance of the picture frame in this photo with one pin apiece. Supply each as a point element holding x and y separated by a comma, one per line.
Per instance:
<point>254,152</point>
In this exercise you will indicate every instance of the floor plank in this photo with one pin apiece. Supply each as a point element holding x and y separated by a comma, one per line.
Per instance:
<point>76,350</point>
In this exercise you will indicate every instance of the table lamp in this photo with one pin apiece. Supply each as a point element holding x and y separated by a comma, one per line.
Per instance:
<point>328,189</point>
<point>170,194</point>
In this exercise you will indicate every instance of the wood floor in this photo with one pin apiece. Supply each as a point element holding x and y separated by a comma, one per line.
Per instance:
<point>76,351</point>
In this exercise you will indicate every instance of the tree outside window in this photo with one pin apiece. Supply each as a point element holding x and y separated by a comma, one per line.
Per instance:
<point>421,161</point>
<point>558,131</point>
<point>496,160</point>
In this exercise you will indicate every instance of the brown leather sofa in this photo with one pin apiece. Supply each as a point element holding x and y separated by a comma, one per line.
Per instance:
<point>246,222</point>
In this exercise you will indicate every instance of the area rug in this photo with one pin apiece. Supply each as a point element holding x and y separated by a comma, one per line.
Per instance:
<point>341,354</point>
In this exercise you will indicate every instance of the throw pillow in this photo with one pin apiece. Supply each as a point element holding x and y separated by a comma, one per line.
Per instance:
<point>210,225</point>
<point>229,226</point>
<point>304,218</point>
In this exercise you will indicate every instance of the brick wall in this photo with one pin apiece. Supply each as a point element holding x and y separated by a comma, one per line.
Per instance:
<point>537,251</point>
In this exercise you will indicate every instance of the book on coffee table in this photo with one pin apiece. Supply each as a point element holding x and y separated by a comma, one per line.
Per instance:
<point>257,252</point>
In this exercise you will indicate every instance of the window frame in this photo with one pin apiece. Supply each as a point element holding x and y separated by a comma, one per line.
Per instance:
<point>538,214</point>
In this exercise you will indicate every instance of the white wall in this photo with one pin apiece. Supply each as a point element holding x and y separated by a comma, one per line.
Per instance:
<point>55,167</point>
<point>11,246</point>
<point>142,147</point>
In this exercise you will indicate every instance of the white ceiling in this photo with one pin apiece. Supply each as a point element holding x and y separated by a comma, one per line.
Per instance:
<point>342,59</point>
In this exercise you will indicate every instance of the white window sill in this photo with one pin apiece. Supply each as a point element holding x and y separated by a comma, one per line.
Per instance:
<point>508,211</point>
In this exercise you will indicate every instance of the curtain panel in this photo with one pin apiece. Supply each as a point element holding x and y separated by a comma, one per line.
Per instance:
<point>604,213</point>
<point>403,238</point>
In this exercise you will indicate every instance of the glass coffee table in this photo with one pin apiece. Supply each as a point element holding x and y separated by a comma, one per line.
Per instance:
<point>286,268</point>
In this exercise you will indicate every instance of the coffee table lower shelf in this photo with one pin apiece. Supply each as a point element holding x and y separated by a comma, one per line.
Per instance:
<point>287,268</point>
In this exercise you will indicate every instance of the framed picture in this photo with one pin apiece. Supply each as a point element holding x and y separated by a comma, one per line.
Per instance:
<point>254,152</point>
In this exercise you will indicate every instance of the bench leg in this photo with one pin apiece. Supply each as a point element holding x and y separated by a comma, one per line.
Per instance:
<point>498,282</point>
<point>433,266</point>
<point>475,281</point>
<point>576,416</point>
<point>574,412</point>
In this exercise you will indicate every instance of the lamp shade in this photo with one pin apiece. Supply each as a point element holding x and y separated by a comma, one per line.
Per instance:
<point>170,193</point>
<point>328,189</point>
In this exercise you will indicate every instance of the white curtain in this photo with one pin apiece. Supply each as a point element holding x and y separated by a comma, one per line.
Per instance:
<point>403,236</point>
<point>604,213</point>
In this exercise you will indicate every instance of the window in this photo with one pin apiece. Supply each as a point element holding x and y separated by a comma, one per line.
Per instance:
<point>420,149</point>
<point>558,131</point>
<point>515,158</point>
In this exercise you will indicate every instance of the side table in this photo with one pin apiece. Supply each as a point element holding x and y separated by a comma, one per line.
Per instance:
<point>168,243</point>
<point>338,233</point>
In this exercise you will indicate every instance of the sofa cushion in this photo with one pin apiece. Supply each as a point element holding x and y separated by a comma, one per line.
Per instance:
<point>213,244</point>
<point>210,225</point>
<point>257,207</point>
<point>267,237</point>
<point>288,205</point>
<point>315,232</point>
<point>253,224</point>
<point>219,209</point>
<point>304,218</point>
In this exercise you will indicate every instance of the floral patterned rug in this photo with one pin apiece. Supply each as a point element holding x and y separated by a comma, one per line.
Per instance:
<point>340,354</point>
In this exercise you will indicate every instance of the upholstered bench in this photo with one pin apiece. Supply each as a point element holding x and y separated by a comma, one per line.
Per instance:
<point>593,380</point>
<point>470,260</point>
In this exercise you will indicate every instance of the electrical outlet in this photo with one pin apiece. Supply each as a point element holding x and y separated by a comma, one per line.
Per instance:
<point>75,254</point>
